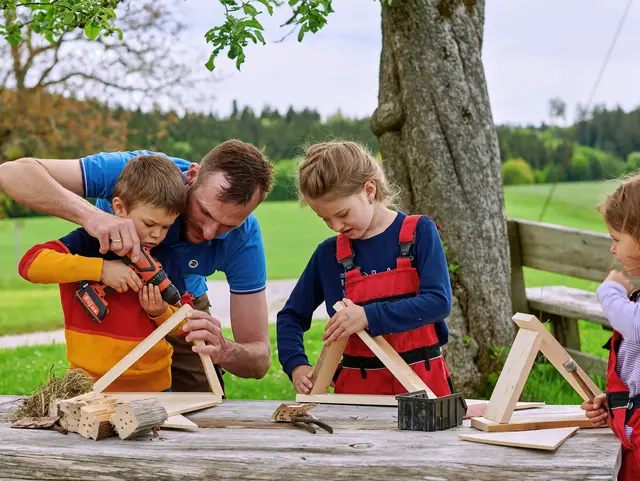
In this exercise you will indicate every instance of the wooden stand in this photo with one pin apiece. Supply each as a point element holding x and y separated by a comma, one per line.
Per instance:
<point>330,358</point>
<point>531,339</point>
<point>175,403</point>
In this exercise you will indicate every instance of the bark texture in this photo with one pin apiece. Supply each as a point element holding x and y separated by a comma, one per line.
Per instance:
<point>439,144</point>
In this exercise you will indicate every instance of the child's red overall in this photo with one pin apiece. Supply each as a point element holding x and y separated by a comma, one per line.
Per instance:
<point>361,372</point>
<point>622,410</point>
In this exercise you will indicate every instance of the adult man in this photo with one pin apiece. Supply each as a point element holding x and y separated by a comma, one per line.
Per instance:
<point>218,232</point>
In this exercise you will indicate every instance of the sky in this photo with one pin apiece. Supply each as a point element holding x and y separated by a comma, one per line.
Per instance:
<point>533,50</point>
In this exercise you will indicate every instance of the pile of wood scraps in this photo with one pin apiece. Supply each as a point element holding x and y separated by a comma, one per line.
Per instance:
<point>536,429</point>
<point>98,415</point>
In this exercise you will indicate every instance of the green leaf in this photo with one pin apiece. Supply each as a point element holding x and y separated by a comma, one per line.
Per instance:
<point>267,4</point>
<point>250,10</point>
<point>91,31</point>
<point>253,23</point>
<point>303,29</point>
<point>210,63</point>
<point>260,37</point>
<point>69,18</point>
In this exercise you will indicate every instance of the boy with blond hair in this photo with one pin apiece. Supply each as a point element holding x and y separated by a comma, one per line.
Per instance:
<point>151,192</point>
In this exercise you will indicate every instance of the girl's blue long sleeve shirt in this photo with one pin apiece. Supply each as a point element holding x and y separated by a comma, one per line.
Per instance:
<point>323,280</point>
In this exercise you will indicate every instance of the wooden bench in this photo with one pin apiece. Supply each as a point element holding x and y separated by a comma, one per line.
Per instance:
<point>562,250</point>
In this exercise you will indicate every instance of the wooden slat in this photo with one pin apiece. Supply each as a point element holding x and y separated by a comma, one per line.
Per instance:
<point>563,250</point>
<point>518,293</point>
<point>210,371</point>
<point>566,302</point>
<point>174,402</point>
<point>545,439</point>
<point>326,366</point>
<point>137,352</point>
<point>555,353</point>
<point>513,376</point>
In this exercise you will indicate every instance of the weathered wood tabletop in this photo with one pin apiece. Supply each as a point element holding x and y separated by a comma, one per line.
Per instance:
<point>237,441</point>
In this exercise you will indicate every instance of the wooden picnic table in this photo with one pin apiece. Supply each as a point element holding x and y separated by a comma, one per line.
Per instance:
<point>236,440</point>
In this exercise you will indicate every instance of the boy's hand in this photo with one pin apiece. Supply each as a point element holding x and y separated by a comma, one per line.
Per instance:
<point>151,301</point>
<point>118,276</point>
<point>347,321</point>
<point>596,411</point>
<point>301,376</point>
<point>620,278</point>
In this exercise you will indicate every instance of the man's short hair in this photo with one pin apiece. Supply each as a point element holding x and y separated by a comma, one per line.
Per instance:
<point>154,180</point>
<point>245,168</point>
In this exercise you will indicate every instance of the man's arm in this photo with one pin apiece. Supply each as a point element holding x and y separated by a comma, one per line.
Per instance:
<point>249,356</point>
<point>55,187</point>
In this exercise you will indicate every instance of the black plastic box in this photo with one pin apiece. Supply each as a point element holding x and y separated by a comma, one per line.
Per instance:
<point>416,412</point>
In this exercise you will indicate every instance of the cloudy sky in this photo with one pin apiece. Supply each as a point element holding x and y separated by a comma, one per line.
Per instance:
<point>533,50</point>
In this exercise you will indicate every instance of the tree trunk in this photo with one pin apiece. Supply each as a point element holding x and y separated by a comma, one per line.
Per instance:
<point>439,144</point>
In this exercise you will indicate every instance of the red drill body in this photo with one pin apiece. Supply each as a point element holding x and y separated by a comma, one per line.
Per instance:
<point>91,295</point>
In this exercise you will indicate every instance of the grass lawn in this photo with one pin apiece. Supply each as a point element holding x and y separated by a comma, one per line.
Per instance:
<point>291,234</point>
<point>544,383</point>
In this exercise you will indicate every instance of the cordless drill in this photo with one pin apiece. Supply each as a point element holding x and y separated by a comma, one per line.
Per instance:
<point>91,295</point>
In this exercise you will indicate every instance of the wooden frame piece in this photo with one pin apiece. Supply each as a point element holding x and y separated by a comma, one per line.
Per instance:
<point>151,340</point>
<point>330,358</point>
<point>532,338</point>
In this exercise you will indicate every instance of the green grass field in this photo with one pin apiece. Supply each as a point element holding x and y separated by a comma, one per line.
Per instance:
<point>291,234</point>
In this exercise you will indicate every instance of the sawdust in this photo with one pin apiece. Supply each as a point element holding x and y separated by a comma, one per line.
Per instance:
<point>73,383</point>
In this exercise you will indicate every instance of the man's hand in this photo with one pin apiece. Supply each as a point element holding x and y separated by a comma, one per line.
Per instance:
<point>347,321</point>
<point>301,377</point>
<point>204,327</point>
<point>620,278</point>
<point>118,276</point>
<point>114,233</point>
<point>151,300</point>
<point>596,411</point>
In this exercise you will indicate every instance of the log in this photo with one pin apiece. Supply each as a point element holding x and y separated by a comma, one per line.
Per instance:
<point>95,423</point>
<point>138,417</point>
<point>69,423</point>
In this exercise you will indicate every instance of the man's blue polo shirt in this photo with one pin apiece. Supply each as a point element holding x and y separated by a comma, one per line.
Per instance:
<point>238,253</point>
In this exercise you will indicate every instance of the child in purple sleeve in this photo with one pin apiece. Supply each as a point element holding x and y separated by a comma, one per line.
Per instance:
<point>618,299</point>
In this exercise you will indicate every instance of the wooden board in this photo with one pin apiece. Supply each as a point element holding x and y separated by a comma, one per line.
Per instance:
<point>137,352</point>
<point>555,353</point>
<point>179,422</point>
<point>563,250</point>
<point>174,402</point>
<point>210,371</point>
<point>366,444</point>
<point>532,423</point>
<point>545,439</point>
<point>392,361</point>
<point>386,400</point>
<point>566,302</point>
<point>326,366</point>
<point>514,374</point>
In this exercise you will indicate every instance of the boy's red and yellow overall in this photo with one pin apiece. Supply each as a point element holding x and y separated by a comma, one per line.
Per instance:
<point>361,372</point>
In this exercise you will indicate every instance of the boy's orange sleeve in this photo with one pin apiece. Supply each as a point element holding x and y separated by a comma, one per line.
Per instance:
<point>170,311</point>
<point>52,263</point>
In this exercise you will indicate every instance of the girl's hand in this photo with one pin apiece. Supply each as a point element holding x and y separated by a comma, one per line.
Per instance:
<point>596,411</point>
<point>151,300</point>
<point>347,321</point>
<point>301,377</point>
<point>620,278</point>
